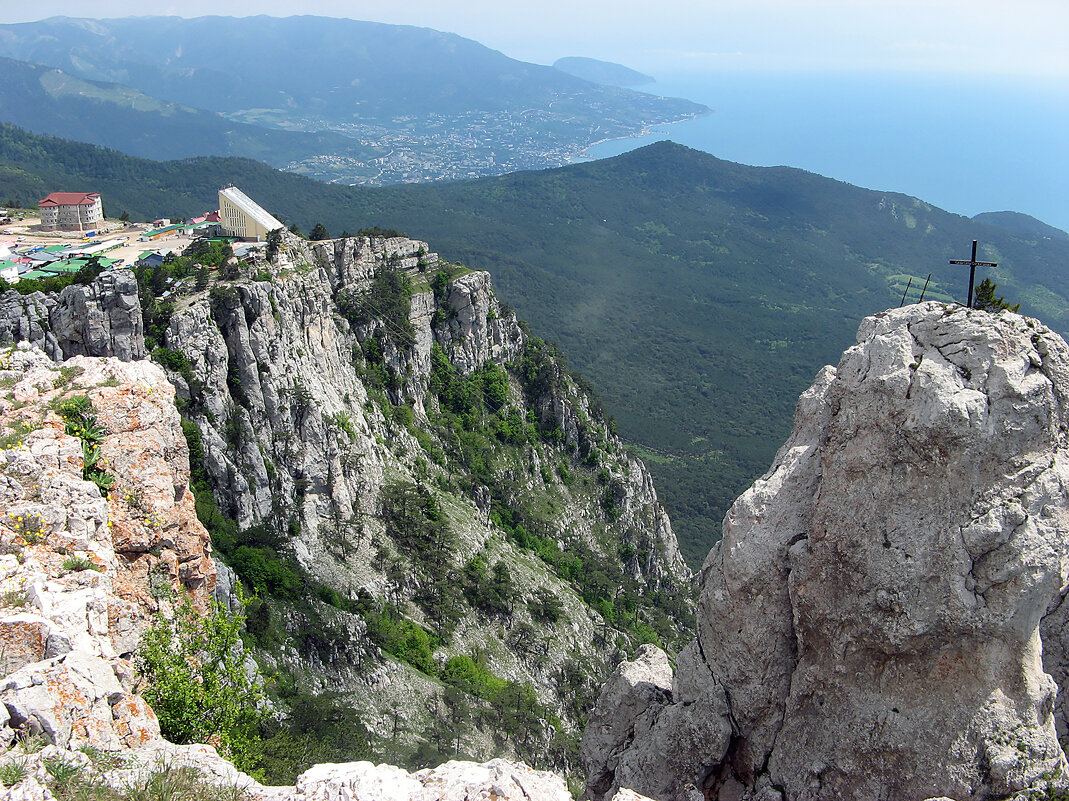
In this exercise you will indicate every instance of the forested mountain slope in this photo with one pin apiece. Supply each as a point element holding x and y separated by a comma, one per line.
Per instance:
<point>51,101</point>
<point>699,295</point>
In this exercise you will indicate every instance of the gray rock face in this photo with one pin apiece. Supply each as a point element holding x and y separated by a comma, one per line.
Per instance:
<point>874,612</point>
<point>102,318</point>
<point>310,405</point>
<point>637,738</point>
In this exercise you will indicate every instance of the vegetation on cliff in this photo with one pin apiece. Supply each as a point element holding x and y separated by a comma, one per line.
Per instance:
<point>505,495</point>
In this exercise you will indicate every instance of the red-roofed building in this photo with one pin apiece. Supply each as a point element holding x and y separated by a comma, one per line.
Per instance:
<point>71,211</point>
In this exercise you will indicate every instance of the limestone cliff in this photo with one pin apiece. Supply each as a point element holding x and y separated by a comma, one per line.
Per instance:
<point>873,623</point>
<point>349,392</point>
<point>413,488</point>
<point>101,318</point>
<point>83,571</point>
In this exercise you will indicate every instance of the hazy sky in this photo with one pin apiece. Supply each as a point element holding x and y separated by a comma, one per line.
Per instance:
<point>1003,37</point>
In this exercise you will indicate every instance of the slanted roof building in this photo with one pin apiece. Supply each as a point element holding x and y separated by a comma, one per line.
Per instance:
<point>242,217</point>
<point>71,211</point>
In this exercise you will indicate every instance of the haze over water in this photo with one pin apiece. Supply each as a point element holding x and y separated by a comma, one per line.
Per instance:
<point>965,144</point>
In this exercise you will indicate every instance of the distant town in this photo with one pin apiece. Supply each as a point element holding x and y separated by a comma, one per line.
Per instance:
<point>439,148</point>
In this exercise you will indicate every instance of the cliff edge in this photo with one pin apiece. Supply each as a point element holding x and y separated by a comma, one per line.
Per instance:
<point>872,624</point>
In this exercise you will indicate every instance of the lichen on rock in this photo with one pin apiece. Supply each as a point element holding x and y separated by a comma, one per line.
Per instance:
<point>78,565</point>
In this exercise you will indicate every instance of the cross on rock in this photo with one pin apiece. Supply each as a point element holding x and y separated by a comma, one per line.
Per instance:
<point>973,264</point>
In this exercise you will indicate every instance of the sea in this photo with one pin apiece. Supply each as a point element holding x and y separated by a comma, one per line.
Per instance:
<point>964,144</point>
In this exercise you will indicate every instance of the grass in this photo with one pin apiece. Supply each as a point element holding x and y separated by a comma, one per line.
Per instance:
<point>70,781</point>
<point>13,598</point>
<point>79,563</point>
<point>31,743</point>
<point>177,784</point>
<point>12,772</point>
<point>19,430</point>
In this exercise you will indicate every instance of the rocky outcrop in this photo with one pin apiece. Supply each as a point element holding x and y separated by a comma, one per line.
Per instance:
<point>102,318</point>
<point>871,625</point>
<point>83,573</point>
<point>497,780</point>
<point>295,402</point>
<point>308,397</point>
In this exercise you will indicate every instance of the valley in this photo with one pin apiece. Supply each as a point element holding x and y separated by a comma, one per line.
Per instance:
<point>700,296</point>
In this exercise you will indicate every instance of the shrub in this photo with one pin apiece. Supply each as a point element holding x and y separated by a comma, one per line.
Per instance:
<point>403,638</point>
<point>265,572</point>
<point>198,684</point>
<point>462,672</point>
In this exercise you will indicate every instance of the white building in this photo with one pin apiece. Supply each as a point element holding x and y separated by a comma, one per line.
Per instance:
<point>71,211</point>
<point>240,216</point>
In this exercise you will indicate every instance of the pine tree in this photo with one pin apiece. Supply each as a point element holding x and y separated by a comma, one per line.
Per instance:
<point>986,299</point>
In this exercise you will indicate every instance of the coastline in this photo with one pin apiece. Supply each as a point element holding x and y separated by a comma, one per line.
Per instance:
<point>647,129</point>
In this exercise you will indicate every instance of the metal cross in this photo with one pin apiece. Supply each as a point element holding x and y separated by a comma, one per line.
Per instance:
<point>973,264</point>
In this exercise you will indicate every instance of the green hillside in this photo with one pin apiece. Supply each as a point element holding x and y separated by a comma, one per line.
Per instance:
<point>54,102</point>
<point>606,72</point>
<point>698,295</point>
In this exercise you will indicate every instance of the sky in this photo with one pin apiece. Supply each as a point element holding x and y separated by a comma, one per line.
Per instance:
<point>1020,38</point>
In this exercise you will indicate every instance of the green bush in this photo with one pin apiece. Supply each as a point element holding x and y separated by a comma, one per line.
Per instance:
<point>491,591</point>
<point>263,570</point>
<point>388,299</point>
<point>198,684</point>
<point>463,673</point>
<point>403,638</point>
<point>210,252</point>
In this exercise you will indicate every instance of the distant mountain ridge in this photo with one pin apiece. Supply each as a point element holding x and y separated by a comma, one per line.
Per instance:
<point>317,64</point>
<point>1021,224</point>
<point>699,296</point>
<point>605,72</point>
<point>438,105</point>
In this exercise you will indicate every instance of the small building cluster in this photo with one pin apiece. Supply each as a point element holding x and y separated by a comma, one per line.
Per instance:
<point>237,218</point>
<point>30,262</point>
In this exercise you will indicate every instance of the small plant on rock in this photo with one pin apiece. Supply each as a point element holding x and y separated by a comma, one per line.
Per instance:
<point>62,772</point>
<point>79,563</point>
<point>12,772</point>
<point>30,527</point>
<point>81,421</point>
<point>30,742</point>
<point>13,598</point>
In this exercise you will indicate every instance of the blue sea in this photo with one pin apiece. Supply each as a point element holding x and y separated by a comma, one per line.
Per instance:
<point>966,145</point>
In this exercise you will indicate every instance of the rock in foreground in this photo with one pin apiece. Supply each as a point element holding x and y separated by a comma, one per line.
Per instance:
<point>870,624</point>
